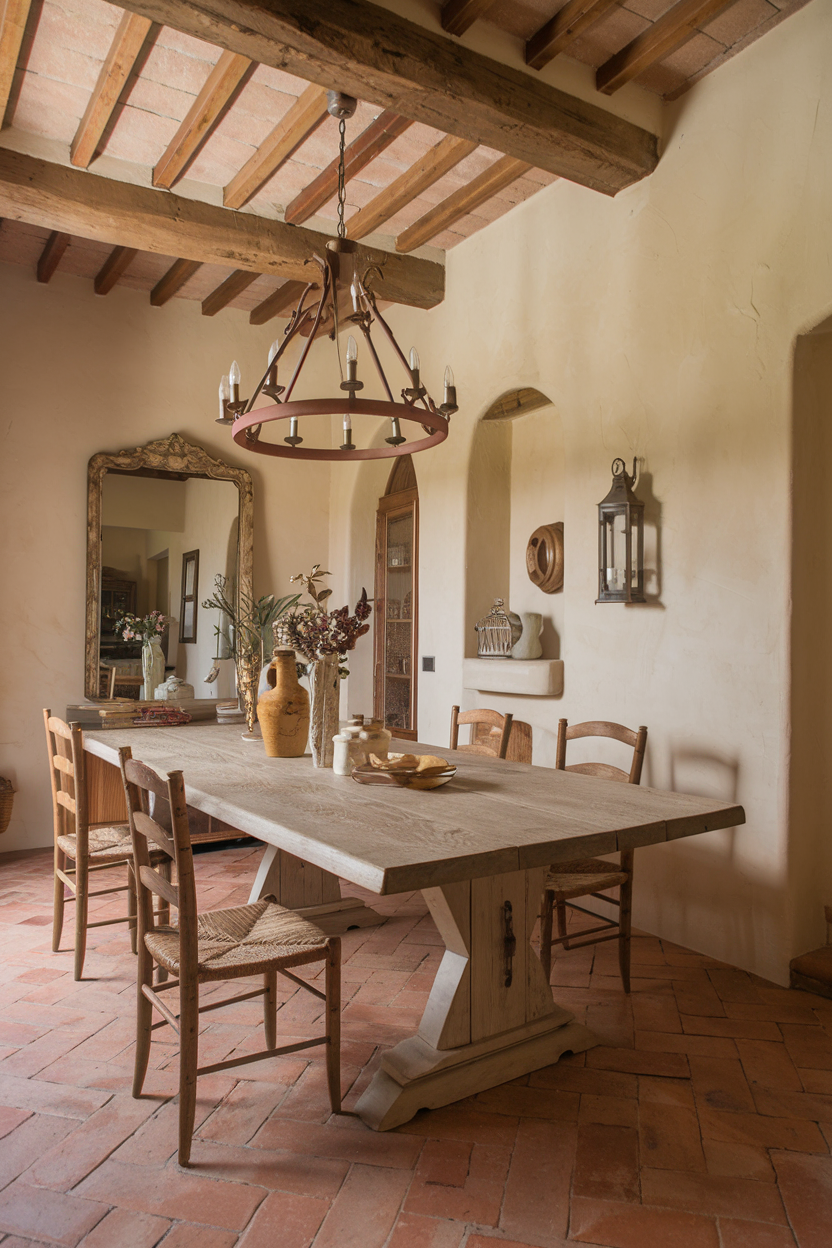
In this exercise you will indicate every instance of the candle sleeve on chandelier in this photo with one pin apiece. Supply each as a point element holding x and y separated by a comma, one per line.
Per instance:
<point>352,350</point>
<point>224,394</point>
<point>273,349</point>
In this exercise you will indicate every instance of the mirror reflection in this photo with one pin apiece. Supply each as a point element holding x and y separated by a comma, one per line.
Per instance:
<point>163,540</point>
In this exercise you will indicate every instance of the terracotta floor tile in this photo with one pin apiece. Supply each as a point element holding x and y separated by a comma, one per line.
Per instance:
<point>655,1013</point>
<point>364,1211</point>
<point>791,1133</point>
<point>669,1138</point>
<point>125,1229</point>
<point>579,1079</point>
<point>738,1161</point>
<point>606,1163</point>
<point>463,1121</point>
<point>39,1214</point>
<point>807,1046</point>
<point>190,1235</point>
<point>720,1083</point>
<point>396,1151</point>
<point>736,1233</point>
<point>816,1080</point>
<point>68,1162</point>
<point>22,1147</point>
<point>735,1027</point>
<point>286,1219</point>
<point>35,1094</point>
<point>693,1046</point>
<point>173,1193</point>
<point>536,1202</point>
<point>477,1199</point>
<point>412,1230</point>
<point>11,1118</point>
<point>508,1098</point>
<point>673,1065</point>
<point>712,1194</point>
<point>815,1107</point>
<point>806,1187</point>
<point>244,1110</point>
<point>263,1167</point>
<point>732,985</point>
<point>614,1111</point>
<point>666,1091</point>
<point>772,1012</point>
<point>768,1065</point>
<point>621,1225</point>
<point>697,998</point>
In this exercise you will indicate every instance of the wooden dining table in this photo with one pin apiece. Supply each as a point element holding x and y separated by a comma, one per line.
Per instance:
<point>478,848</point>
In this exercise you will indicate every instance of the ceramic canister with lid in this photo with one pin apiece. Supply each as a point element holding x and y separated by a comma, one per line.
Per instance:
<point>349,750</point>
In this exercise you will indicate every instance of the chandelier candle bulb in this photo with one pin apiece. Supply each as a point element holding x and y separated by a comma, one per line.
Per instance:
<point>352,361</point>
<point>234,377</point>
<point>414,367</point>
<point>274,348</point>
<point>450,388</point>
<point>224,395</point>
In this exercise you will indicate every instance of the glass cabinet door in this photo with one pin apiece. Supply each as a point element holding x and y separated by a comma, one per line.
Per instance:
<point>396,614</point>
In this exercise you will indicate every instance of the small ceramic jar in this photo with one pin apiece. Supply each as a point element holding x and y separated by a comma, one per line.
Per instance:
<point>349,750</point>
<point>375,738</point>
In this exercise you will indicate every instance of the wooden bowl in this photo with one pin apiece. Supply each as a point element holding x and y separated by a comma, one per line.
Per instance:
<point>406,777</point>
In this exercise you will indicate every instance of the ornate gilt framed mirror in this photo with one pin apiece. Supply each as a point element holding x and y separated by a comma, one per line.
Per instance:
<point>148,508</point>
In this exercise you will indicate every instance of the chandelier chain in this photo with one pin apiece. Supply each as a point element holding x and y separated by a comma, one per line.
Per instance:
<point>342,182</point>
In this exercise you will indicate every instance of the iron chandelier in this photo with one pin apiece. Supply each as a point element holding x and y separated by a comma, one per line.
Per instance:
<point>318,312</point>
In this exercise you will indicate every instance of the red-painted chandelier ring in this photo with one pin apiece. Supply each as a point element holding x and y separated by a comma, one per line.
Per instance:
<point>339,407</point>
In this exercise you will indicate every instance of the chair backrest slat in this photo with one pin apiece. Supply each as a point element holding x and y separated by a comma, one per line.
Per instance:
<point>63,764</point>
<point>501,736</point>
<point>65,746</point>
<point>154,832</point>
<point>159,885</point>
<point>603,728</point>
<point>69,802</point>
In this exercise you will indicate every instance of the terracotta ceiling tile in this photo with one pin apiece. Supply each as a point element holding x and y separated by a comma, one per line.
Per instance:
<point>284,185</point>
<point>662,80</point>
<point>49,59</point>
<point>49,108</point>
<point>607,37</point>
<point>156,98</point>
<point>521,17</point>
<point>256,293</point>
<point>278,80</point>
<point>651,9</point>
<point>174,69</point>
<point>693,55</point>
<point>21,244</point>
<point>141,137</point>
<point>186,44</point>
<point>220,159</point>
<point>738,21</point>
<point>448,239</point>
<point>259,101</point>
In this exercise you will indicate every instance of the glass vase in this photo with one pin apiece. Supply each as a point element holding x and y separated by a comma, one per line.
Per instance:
<point>324,685</point>
<point>248,678</point>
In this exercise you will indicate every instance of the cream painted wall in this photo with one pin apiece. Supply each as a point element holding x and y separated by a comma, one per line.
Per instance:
<point>92,374</point>
<point>661,324</point>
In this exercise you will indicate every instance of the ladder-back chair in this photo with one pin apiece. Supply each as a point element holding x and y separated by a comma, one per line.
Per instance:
<point>493,734</point>
<point>590,877</point>
<point>81,849</point>
<point>261,938</point>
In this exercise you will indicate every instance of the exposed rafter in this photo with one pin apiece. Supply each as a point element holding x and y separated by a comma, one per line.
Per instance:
<point>572,20</point>
<point>50,257</point>
<point>459,15</point>
<point>207,110</point>
<point>498,176</point>
<point>13,17</point>
<point>128,42</point>
<point>672,29</point>
<point>279,301</point>
<point>177,275</point>
<point>378,56</point>
<point>113,268</point>
<point>302,119</point>
<point>364,148</point>
<point>58,197</point>
<point>228,291</point>
<point>447,153</point>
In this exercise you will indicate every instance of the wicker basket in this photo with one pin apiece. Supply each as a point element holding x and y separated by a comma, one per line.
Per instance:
<point>6,803</point>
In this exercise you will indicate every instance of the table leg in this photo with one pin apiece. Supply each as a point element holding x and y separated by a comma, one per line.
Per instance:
<point>310,891</point>
<point>490,1016</point>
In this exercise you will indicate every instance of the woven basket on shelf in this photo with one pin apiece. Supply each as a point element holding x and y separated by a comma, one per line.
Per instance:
<point>6,803</point>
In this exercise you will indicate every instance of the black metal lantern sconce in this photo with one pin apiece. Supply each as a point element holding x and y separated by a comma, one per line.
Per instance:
<point>621,540</point>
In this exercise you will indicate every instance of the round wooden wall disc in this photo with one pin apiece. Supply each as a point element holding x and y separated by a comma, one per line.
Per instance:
<point>544,557</point>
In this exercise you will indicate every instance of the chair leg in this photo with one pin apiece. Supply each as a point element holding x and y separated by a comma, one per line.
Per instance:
<point>333,1022</point>
<point>82,888</point>
<point>546,932</point>
<point>625,896</point>
<point>270,1009</point>
<point>561,906</point>
<point>58,901</point>
<point>144,1019</point>
<point>132,906</point>
<point>188,1062</point>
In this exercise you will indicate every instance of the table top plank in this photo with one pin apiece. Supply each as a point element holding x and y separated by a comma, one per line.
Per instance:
<point>492,818</point>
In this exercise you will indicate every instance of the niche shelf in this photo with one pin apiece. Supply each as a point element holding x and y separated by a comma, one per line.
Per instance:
<point>542,678</point>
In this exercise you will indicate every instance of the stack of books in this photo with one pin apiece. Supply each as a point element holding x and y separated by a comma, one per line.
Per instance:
<point>122,713</point>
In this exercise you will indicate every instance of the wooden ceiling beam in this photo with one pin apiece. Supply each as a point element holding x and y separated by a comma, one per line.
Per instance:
<point>667,34</point>
<point>494,179</point>
<point>279,301</point>
<point>128,42</point>
<point>58,197</point>
<point>177,275</point>
<point>447,153</point>
<point>572,20</point>
<point>376,55</point>
<point>302,119</point>
<point>50,257</point>
<point>459,15</point>
<point>206,112</point>
<point>113,268</point>
<point>369,144</point>
<point>228,291</point>
<point>14,15</point>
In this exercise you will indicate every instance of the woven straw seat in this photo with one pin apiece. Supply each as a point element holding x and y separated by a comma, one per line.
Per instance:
<point>107,844</point>
<point>587,875</point>
<point>243,940</point>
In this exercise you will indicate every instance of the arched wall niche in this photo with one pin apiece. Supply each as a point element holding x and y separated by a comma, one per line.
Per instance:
<point>516,475</point>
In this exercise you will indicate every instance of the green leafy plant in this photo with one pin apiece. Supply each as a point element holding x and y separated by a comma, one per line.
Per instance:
<point>249,620</point>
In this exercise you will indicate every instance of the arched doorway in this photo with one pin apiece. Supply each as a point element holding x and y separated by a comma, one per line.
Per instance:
<point>396,601</point>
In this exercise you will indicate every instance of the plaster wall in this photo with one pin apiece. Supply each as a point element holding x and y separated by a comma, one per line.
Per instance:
<point>98,374</point>
<point>661,324</point>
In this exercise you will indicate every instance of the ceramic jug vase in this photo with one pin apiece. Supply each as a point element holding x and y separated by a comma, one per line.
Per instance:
<point>283,709</point>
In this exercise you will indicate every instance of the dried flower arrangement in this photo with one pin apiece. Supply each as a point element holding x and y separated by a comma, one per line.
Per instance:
<point>315,632</point>
<point>141,627</point>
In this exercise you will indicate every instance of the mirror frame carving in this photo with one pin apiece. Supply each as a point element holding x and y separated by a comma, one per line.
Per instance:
<point>165,455</point>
